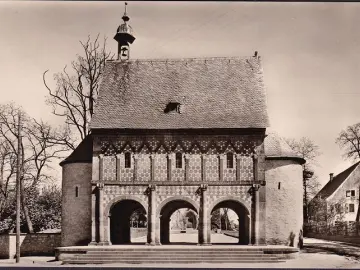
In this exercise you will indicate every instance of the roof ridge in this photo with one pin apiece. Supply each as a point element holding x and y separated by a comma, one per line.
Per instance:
<point>186,59</point>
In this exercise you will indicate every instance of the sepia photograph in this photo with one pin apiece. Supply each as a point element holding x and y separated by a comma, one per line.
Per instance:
<point>180,134</point>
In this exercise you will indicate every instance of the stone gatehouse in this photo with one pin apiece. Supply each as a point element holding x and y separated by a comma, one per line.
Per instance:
<point>181,133</point>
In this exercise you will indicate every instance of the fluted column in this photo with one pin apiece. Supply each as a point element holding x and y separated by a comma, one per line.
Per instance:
<point>255,214</point>
<point>203,216</point>
<point>238,167</point>
<point>255,165</point>
<point>101,167</point>
<point>203,167</point>
<point>169,166</point>
<point>102,240</point>
<point>136,160</point>
<point>152,167</point>
<point>93,217</point>
<point>151,193</point>
<point>221,167</point>
<point>187,167</point>
<point>118,167</point>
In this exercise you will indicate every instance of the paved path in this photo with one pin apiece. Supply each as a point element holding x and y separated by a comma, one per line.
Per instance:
<point>193,238</point>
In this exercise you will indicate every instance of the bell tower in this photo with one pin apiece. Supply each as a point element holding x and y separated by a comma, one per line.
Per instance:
<point>124,36</point>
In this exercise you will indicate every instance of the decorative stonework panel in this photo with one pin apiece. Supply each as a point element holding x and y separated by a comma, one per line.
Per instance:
<point>195,168</point>
<point>215,144</point>
<point>178,175</point>
<point>144,168</point>
<point>218,192</point>
<point>127,174</point>
<point>160,167</point>
<point>165,192</point>
<point>246,168</point>
<point>212,168</point>
<point>109,173</point>
<point>111,192</point>
<point>230,174</point>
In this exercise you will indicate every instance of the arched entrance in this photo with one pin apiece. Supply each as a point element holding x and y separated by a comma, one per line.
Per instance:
<point>239,228</point>
<point>188,216</point>
<point>126,216</point>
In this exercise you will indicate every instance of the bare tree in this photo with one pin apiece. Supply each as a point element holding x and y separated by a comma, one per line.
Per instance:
<point>38,150</point>
<point>349,141</point>
<point>309,151</point>
<point>76,90</point>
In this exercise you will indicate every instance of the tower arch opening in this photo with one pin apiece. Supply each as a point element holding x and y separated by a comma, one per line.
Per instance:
<point>178,222</point>
<point>232,219</point>
<point>128,222</point>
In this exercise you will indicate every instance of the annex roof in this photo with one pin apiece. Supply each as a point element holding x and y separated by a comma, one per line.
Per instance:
<point>335,183</point>
<point>211,92</point>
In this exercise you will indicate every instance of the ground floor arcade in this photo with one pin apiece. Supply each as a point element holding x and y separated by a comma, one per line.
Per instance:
<point>112,215</point>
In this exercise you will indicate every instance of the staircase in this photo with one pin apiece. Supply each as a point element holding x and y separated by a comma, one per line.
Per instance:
<point>183,255</point>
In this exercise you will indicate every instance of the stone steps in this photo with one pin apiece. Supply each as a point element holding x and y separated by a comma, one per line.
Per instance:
<point>173,256</point>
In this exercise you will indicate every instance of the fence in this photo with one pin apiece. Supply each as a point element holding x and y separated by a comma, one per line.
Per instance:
<point>339,228</point>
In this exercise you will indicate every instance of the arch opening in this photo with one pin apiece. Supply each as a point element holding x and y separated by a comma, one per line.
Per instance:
<point>178,223</point>
<point>128,222</point>
<point>230,223</point>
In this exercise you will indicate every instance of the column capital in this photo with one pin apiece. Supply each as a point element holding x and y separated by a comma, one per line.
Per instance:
<point>100,186</point>
<point>187,156</point>
<point>255,154</point>
<point>222,156</point>
<point>238,156</point>
<point>150,189</point>
<point>136,156</point>
<point>202,187</point>
<point>118,156</point>
<point>255,187</point>
<point>204,156</point>
<point>152,156</point>
<point>101,156</point>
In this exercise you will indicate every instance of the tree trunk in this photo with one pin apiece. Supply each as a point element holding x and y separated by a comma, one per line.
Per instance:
<point>23,197</point>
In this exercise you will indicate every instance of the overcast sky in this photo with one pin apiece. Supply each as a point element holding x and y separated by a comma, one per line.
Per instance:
<point>310,54</point>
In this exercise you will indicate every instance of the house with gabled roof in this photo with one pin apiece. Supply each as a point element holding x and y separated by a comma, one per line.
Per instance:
<point>340,195</point>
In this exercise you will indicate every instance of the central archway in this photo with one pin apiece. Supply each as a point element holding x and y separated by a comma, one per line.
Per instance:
<point>126,217</point>
<point>168,210</point>
<point>241,228</point>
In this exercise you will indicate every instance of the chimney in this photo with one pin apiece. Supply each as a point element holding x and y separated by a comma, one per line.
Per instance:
<point>256,54</point>
<point>331,176</point>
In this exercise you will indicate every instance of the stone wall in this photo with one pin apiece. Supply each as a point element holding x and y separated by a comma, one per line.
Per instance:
<point>30,244</point>
<point>284,197</point>
<point>76,211</point>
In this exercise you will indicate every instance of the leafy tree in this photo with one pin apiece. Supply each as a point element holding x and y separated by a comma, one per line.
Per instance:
<point>39,149</point>
<point>349,141</point>
<point>76,91</point>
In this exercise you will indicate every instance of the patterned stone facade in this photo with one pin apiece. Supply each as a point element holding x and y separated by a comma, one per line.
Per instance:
<point>200,171</point>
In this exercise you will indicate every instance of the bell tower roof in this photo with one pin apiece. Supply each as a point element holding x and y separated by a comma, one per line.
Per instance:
<point>124,36</point>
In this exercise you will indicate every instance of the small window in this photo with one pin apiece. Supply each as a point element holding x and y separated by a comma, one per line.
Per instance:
<point>351,208</point>
<point>178,160</point>
<point>348,193</point>
<point>279,185</point>
<point>230,160</point>
<point>127,160</point>
<point>352,193</point>
<point>76,192</point>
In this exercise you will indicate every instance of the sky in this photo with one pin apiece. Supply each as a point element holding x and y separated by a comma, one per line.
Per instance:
<point>310,54</point>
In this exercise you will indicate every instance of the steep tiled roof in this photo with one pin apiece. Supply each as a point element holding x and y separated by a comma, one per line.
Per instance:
<point>337,180</point>
<point>276,147</point>
<point>214,93</point>
<point>82,153</point>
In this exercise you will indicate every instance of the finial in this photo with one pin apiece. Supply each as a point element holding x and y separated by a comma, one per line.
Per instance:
<point>125,17</point>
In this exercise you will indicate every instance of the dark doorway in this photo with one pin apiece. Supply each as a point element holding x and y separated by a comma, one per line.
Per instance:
<point>127,222</point>
<point>178,218</point>
<point>230,219</point>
